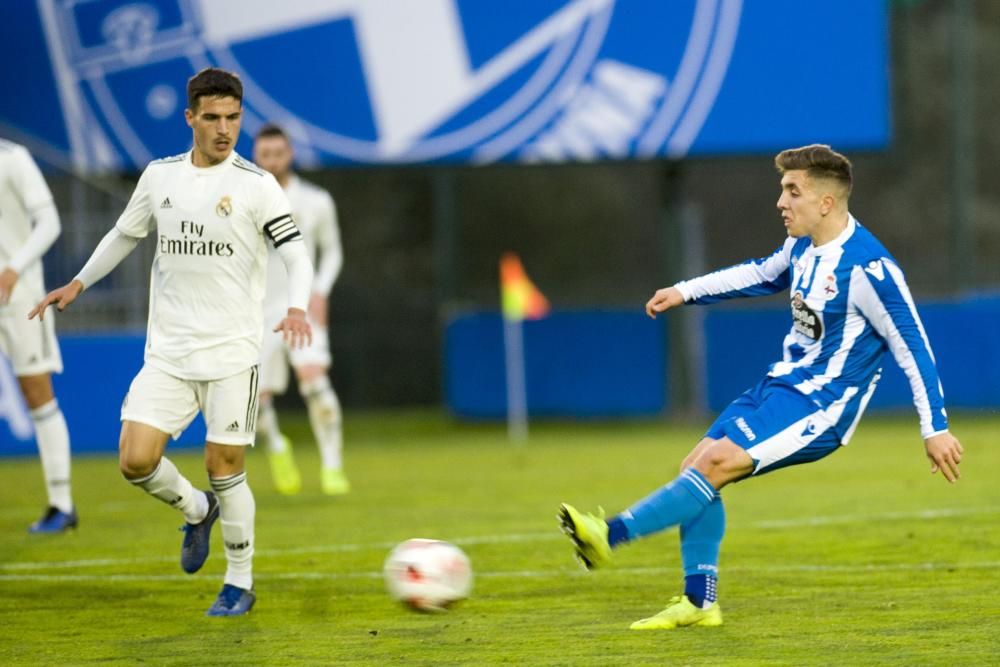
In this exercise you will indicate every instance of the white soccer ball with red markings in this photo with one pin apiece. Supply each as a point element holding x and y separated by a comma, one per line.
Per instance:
<point>428,575</point>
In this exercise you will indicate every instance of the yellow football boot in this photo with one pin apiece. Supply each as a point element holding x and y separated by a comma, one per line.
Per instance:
<point>679,613</point>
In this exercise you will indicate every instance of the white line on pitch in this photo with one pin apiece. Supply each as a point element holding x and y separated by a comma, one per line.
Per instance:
<point>517,574</point>
<point>768,524</point>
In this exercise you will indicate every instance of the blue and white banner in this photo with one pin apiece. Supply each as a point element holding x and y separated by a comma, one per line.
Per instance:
<point>100,84</point>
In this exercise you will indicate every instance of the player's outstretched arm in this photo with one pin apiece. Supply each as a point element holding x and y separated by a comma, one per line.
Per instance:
<point>663,300</point>
<point>112,249</point>
<point>295,328</point>
<point>61,297</point>
<point>945,453</point>
<point>756,277</point>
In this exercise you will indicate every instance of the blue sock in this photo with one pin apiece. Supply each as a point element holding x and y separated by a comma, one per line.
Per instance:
<point>700,541</point>
<point>700,589</point>
<point>617,531</point>
<point>678,502</point>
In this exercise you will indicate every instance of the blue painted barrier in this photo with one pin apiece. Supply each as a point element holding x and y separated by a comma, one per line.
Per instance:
<point>585,364</point>
<point>97,372</point>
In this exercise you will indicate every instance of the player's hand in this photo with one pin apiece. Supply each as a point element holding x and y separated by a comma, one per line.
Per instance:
<point>295,329</point>
<point>317,310</point>
<point>664,299</point>
<point>8,278</point>
<point>61,297</point>
<point>945,452</point>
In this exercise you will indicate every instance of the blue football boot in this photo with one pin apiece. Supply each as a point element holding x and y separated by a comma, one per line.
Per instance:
<point>232,601</point>
<point>54,521</point>
<point>194,549</point>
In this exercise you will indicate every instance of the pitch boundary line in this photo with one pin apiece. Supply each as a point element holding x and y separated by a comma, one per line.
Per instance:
<point>513,574</point>
<point>767,524</point>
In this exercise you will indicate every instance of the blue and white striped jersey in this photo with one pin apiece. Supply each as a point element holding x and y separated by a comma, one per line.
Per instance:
<point>850,304</point>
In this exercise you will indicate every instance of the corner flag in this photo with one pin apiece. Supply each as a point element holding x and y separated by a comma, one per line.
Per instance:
<point>520,300</point>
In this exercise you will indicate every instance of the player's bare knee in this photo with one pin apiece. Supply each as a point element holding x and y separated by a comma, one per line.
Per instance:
<point>712,460</point>
<point>224,460</point>
<point>722,462</point>
<point>689,460</point>
<point>135,466</point>
<point>36,389</point>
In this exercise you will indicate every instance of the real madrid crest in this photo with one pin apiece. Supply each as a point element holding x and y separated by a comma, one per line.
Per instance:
<point>224,207</point>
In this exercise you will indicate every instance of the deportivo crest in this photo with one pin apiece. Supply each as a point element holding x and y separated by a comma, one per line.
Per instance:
<point>414,81</point>
<point>830,289</point>
<point>224,207</point>
<point>805,320</point>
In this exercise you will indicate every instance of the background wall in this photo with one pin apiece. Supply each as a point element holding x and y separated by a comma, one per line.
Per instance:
<point>422,242</point>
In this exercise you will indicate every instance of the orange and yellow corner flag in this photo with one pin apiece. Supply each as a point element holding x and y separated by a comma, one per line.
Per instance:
<point>520,299</point>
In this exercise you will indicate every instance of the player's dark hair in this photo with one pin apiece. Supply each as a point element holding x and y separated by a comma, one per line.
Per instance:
<point>819,161</point>
<point>271,130</point>
<point>213,82</point>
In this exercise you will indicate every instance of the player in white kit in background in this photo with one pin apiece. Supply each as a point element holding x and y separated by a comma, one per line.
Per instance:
<point>29,224</point>
<point>214,214</point>
<point>316,217</point>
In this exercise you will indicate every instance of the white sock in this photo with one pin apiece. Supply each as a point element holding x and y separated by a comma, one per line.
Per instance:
<point>267,424</point>
<point>236,512</point>
<point>324,416</point>
<point>53,448</point>
<point>173,488</point>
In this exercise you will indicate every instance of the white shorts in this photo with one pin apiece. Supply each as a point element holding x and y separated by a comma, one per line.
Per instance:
<point>30,345</point>
<point>170,404</point>
<point>275,357</point>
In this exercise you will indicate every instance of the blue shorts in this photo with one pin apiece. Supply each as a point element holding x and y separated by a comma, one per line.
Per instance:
<point>777,426</point>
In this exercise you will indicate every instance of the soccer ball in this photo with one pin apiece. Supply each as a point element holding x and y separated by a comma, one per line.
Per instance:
<point>428,575</point>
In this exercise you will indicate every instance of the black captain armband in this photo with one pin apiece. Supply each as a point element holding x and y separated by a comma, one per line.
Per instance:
<point>281,230</point>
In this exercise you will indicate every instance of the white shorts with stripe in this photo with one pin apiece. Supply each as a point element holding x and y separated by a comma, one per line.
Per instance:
<point>30,345</point>
<point>170,404</point>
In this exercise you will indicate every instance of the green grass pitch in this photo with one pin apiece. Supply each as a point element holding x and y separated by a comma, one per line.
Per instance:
<point>863,558</point>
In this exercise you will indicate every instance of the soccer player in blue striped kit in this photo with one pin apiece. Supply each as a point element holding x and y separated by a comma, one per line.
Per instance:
<point>850,304</point>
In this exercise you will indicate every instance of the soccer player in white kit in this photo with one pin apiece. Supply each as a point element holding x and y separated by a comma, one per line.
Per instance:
<point>214,214</point>
<point>29,224</point>
<point>316,217</point>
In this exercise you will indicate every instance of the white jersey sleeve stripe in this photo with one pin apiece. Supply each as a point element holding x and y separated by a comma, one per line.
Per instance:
<point>758,277</point>
<point>879,294</point>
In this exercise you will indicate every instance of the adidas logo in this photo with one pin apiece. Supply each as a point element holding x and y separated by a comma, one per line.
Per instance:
<point>233,428</point>
<point>166,203</point>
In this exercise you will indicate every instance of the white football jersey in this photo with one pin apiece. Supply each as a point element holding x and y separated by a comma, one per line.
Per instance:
<point>208,275</point>
<point>22,192</point>
<point>315,215</point>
